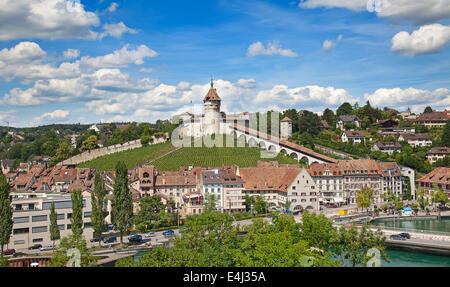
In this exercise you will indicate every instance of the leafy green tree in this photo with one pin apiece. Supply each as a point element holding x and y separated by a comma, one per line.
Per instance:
<point>98,202</point>
<point>145,139</point>
<point>62,255</point>
<point>77,212</point>
<point>428,110</point>
<point>122,202</point>
<point>260,205</point>
<point>318,231</point>
<point>6,221</point>
<point>309,122</point>
<point>62,153</point>
<point>90,143</point>
<point>149,212</point>
<point>329,116</point>
<point>355,244</point>
<point>209,202</point>
<point>438,196</point>
<point>415,208</point>
<point>422,198</point>
<point>54,229</point>
<point>344,109</point>
<point>364,197</point>
<point>446,135</point>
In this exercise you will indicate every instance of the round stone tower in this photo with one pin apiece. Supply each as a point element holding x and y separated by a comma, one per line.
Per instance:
<point>212,118</point>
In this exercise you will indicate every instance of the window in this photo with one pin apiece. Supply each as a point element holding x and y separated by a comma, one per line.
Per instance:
<point>39,218</point>
<point>61,227</point>
<point>87,214</point>
<point>21,219</point>
<point>39,229</point>
<point>69,226</point>
<point>19,242</point>
<point>37,240</point>
<point>21,230</point>
<point>60,217</point>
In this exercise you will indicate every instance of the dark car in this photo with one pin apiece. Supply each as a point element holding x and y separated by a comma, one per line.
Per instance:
<point>168,233</point>
<point>9,252</point>
<point>96,239</point>
<point>36,246</point>
<point>405,235</point>
<point>135,238</point>
<point>110,239</point>
<point>17,254</point>
<point>397,237</point>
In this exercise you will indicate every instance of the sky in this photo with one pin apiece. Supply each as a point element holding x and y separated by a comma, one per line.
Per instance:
<point>90,61</point>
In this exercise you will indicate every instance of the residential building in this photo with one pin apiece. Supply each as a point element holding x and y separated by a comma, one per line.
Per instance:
<point>409,180</point>
<point>392,179</point>
<point>416,140</point>
<point>353,136</point>
<point>395,131</point>
<point>385,123</point>
<point>437,153</point>
<point>329,179</point>
<point>211,183</point>
<point>347,119</point>
<point>387,147</point>
<point>232,190</point>
<point>407,115</point>
<point>433,119</point>
<point>439,176</point>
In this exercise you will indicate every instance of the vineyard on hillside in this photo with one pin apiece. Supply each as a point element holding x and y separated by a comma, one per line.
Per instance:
<point>215,157</point>
<point>132,157</point>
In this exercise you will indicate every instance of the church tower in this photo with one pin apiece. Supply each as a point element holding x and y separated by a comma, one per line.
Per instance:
<point>212,118</point>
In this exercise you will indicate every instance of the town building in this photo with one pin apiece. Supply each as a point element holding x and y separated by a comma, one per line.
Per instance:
<point>329,179</point>
<point>286,128</point>
<point>416,140</point>
<point>439,176</point>
<point>353,137</point>
<point>433,119</point>
<point>396,131</point>
<point>347,119</point>
<point>437,153</point>
<point>392,179</point>
<point>387,147</point>
<point>407,115</point>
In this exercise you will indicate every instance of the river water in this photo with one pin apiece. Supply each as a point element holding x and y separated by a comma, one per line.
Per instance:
<point>442,225</point>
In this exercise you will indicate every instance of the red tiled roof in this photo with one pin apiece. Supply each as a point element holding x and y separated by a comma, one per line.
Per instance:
<point>440,175</point>
<point>267,178</point>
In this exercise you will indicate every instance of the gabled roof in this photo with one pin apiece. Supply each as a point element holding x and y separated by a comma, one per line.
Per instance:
<point>387,145</point>
<point>411,137</point>
<point>439,175</point>
<point>348,118</point>
<point>439,150</point>
<point>355,134</point>
<point>268,178</point>
<point>286,119</point>
<point>433,116</point>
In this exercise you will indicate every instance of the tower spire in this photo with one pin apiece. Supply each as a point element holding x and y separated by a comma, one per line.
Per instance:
<point>212,83</point>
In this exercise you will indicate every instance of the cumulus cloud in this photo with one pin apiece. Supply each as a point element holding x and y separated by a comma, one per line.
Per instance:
<point>273,48</point>
<point>116,30</point>
<point>24,52</point>
<point>427,39</point>
<point>57,115</point>
<point>70,54</point>
<point>328,44</point>
<point>415,98</point>
<point>419,12</point>
<point>46,19</point>
<point>113,7</point>
<point>120,58</point>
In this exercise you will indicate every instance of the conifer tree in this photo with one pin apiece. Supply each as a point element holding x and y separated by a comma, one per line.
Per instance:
<point>6,221</point>
<point>54,229</point>
<point>77,213</point>
<point>122,202</point>
<point>98,202</point>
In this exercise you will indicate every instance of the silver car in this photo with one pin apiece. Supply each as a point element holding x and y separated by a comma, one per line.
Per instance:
<point>46,248</point>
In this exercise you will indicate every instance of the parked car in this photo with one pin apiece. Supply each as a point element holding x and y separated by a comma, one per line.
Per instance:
<point>397,237</point>
<point>9,252</point>
<point>150,234</point>
<point>405,235</point>
<point>96,239</point>
<point>17,254</point>
<point>135,238</point>
<point>36,246</point>
<point>110,239</point>
<point>46,248</point>
<point>332,205</point>
<point>168,233</point>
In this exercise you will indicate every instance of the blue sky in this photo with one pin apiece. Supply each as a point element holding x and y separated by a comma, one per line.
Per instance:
<point>147,60</point>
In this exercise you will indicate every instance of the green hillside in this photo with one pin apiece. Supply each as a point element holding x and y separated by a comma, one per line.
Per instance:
<point>132,157</point>
<point>210,157</point>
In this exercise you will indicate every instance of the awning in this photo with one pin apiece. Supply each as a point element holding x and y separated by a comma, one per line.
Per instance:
<point>338,199</point>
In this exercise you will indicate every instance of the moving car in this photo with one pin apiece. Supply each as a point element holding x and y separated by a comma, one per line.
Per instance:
<point>168,233</point>
<point>17,254</point>
<point>405,235</point>
<point>36,246</point>
<point>397,237</point>
<point>9,252</point>
<point>150,234</point>
<point>135,238</point>
<point>110,239</point>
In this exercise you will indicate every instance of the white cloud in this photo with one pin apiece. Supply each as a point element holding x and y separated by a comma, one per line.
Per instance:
<point>411,97</point>
<point>419,12</point>
<point>116,30</point>
<point>121,58</point>
<point>56,115</point>
<point>427,39</point>
<point>273,48</point>
<point>113,7</point>
<point>246,83</point>
<point>147,70</point>
<point>24,52</point>
<point>70,54</point>
<point>45,19</point>
<point>328,44</point>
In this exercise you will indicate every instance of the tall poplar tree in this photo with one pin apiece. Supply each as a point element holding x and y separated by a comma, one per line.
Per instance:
<point>54,229</point>
<point>6,221</point>
<point>122,202</point>
<point>98,203</point>
<point>77,212</point>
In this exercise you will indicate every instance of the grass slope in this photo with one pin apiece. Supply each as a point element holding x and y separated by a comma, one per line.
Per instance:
<point>132,157</point>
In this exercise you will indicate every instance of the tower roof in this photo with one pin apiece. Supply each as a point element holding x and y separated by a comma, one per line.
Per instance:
<point>212,94</point>
<point>286,119</point>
